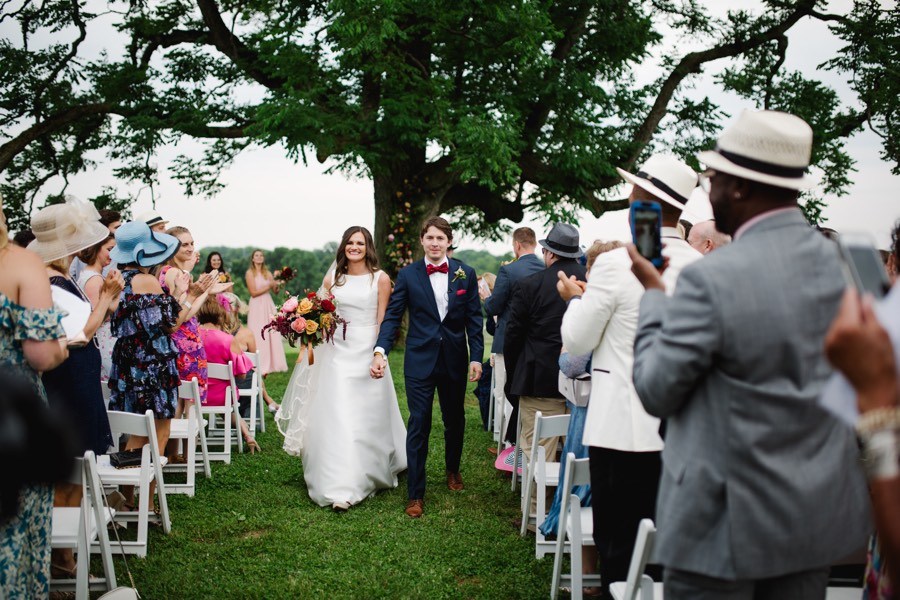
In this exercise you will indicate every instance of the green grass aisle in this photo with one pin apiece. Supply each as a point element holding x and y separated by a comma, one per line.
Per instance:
<point>252,532</point>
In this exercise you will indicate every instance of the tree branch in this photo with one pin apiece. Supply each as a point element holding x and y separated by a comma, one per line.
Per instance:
<point>693,62</point>
<point>231,46</point>
<point>782,54</point>
<point>173,38</point>
<point>494,206</point>
<point>62,119</point>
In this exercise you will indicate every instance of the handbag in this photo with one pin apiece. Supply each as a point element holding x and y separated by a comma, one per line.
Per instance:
<point>577,390</point>
<point>126,459</point>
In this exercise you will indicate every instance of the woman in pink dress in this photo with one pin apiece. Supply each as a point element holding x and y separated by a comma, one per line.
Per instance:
<point>259,281</point>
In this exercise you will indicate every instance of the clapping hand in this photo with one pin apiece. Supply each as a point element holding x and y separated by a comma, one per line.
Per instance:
<point>113,285</point>
<point>203,283</point>
<point>569,286</point>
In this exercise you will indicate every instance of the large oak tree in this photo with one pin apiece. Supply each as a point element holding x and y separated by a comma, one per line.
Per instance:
<point>481,109</point>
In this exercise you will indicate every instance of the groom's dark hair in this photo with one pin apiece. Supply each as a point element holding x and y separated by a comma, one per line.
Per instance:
<point>440,223</point>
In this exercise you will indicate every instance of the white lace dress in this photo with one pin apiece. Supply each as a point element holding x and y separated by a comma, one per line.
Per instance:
<point>345,425</point>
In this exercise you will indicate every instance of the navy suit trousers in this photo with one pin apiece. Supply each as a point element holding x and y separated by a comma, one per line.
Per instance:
<point>451,390</point>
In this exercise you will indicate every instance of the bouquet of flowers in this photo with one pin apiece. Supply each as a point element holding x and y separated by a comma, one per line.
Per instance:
<point>284,274</point>
<point>310,320</point>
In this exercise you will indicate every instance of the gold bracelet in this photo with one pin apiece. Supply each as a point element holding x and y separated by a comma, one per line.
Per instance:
<point>879,419</point>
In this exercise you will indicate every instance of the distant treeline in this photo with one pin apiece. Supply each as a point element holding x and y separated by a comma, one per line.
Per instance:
<point>311,264</point>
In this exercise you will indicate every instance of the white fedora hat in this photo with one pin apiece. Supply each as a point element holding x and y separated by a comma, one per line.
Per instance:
<point>767,146</point>
<point>62,230</point>
<point>666,177</point>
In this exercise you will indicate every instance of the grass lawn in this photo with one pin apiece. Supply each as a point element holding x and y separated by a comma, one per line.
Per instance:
<point>252,532</point>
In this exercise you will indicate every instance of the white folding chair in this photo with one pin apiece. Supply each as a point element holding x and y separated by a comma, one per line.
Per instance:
<point>518,455</point>
<point>223,372</point>
<point>77,527</point>
<point>540,475</point>
<point>639,586</point>
<point>191,429</point>
<point>151,469</point>
<point>490,420</point>
<point>576,524</point>
<point>254,392</point>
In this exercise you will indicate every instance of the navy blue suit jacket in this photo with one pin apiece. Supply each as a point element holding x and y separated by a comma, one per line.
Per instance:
<point>497,304</point>
<point>456,338</point>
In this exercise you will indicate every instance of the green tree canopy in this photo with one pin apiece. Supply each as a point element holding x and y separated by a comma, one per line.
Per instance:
<point>480,110</point>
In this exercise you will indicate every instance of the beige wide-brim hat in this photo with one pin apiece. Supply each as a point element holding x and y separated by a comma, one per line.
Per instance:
<point>767,146</point>
<point>65,229</point>
<point>666,177</point>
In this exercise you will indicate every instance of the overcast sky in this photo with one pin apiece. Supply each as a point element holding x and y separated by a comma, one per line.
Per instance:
<point>269,201</point>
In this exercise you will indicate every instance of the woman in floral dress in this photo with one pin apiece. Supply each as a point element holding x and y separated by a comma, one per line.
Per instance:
<point>191,355</point>
<point>30,334</point>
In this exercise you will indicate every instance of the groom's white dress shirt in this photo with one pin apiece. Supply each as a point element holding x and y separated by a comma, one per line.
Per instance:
<point>439,286</point>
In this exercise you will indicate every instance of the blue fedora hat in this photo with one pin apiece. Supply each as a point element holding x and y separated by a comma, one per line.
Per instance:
<point>136,243</point>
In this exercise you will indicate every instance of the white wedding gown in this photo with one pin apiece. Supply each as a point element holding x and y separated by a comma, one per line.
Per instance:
<point>345,425</point>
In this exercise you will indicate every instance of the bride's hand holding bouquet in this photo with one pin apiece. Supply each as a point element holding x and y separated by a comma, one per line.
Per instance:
<point>310,320</point>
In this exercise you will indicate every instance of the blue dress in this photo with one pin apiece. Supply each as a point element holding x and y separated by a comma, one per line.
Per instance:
<point>74,389</point>
<point>25,540</point>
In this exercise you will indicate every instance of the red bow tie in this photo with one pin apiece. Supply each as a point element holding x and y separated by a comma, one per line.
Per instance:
<point>431,269</point>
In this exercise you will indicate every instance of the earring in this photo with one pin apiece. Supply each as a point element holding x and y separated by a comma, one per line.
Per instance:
<point>737,195</point>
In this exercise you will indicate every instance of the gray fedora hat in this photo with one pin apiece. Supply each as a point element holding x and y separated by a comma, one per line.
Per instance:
<point>562,241</point>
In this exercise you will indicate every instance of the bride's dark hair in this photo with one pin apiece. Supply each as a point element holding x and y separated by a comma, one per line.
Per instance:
<point>341,262</point>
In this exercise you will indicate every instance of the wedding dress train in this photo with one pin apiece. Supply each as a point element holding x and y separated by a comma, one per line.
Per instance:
<point>345,425</point>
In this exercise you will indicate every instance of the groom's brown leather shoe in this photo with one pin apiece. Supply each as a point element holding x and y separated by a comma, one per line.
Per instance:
<point>415,508</point>
<point>454,482</point>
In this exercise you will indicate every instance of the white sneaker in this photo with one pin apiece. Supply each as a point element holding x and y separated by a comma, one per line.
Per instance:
<point>273,408</point>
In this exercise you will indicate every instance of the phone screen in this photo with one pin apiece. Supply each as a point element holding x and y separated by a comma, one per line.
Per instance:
<point>646,233</point>
<point>869,268</point>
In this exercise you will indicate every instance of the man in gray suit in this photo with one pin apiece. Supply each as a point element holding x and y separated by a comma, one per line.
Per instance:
<point>760,490</point>
<point>496,304</point>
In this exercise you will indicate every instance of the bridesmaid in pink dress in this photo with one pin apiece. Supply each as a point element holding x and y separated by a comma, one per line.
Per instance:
<point>259,282</point>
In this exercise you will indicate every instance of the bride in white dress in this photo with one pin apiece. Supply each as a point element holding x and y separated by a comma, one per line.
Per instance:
<point>345,425</point>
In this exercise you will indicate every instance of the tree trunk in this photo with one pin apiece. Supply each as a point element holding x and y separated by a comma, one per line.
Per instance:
<point>401,206</point>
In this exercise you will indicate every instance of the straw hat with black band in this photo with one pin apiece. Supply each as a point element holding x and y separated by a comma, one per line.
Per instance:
<point>767,146</point>
<point>666,177</point>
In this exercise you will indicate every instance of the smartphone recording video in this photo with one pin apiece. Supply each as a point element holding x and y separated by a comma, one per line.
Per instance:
<point>863,267</point>
<point>646,230</point>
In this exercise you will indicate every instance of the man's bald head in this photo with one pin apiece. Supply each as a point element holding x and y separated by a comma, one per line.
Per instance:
<point>704,237</point>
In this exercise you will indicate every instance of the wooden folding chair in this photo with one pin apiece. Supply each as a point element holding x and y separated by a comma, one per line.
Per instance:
<point>191,430</point>
<point>576,524</point>
<point>223,372</point>
<point>77,528</point>
<point>151,469</point>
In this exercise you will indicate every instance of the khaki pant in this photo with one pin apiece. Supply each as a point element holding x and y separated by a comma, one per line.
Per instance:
<point>528,408</point>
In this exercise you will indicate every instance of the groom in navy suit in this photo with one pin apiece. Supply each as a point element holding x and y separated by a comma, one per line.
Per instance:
<point>444,337</point>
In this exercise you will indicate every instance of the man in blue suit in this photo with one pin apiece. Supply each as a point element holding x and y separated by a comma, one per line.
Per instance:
<point>444,336</point>
<point>497,305</point>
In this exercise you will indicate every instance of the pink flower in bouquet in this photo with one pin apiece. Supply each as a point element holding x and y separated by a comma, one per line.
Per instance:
<point>290,305</point>
<point>299,325</point>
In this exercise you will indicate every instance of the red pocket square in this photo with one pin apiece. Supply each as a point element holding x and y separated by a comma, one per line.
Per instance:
<point>460,292</point>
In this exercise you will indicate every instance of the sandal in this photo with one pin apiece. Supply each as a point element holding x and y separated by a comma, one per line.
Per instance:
<point>252,445</point>
<point>61,572</point>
